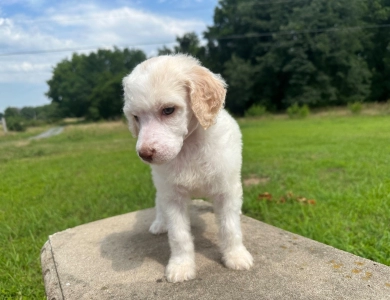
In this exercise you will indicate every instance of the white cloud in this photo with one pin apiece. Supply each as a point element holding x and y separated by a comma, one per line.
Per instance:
<point>124,26</point>
<point>74,24</point>
<point>80,26</point>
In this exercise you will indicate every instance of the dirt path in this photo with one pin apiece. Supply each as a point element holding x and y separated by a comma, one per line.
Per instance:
<point>49,133</point>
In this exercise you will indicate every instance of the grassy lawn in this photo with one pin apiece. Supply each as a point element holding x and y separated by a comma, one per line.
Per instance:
<point>325,178</point>
<point>341,164</point>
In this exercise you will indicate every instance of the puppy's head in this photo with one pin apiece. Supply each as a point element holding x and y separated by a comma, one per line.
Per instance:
<point>166,97</point>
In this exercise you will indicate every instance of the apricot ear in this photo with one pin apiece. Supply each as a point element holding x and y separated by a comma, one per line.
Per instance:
<point>207,95</point>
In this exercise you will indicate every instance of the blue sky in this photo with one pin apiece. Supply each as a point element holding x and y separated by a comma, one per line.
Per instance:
<point>45,25</point>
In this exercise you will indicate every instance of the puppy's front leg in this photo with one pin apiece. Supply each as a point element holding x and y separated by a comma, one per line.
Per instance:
<point>181,265</point>
<point>227,209</point>
<point>159,224</point>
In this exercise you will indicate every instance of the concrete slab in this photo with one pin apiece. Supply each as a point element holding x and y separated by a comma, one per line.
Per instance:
<point>116,258</point>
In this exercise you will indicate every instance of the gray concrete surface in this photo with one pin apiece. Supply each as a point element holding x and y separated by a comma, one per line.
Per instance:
<point>116,258</point>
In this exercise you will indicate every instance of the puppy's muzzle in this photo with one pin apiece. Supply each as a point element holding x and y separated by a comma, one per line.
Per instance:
<point>147,154</point>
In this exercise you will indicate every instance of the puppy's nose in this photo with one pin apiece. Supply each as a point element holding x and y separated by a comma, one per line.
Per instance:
<point>146,154</point>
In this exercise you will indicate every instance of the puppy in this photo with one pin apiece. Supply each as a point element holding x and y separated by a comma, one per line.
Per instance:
<point>174,108</point>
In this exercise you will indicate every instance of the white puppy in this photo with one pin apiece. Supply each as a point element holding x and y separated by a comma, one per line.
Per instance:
<point>174,108</point>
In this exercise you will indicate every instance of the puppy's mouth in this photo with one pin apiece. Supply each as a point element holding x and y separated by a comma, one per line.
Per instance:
<point>147,160</point>
<point>158,155</point>
<point>152,159</point>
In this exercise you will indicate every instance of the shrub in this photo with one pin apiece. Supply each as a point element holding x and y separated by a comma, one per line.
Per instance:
<point>298,112</point>
<point>256,110</point>
<point>355,107</point>
<point>15,124</point>
<point>93,114</point>
<point>34,123</point>
<point>305,111</point>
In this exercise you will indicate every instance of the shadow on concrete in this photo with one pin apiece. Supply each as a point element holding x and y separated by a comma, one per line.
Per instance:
<point>129,249</point>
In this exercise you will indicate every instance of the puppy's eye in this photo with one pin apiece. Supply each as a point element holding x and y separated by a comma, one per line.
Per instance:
<point>167,111</point>
<point>136,118</point>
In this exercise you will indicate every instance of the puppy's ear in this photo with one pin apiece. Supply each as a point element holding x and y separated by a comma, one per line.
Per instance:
<point>207,93</point>
<point>133,126</point>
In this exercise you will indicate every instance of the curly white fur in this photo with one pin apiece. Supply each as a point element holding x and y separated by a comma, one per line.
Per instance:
<point>186,159</point>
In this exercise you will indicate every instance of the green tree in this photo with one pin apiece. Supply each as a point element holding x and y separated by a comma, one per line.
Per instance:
<point>377,48</point>
<point>189,43</point>
<point>322,60</point>
<point>48,113</point>
<point>28,113</point>
<point>107,98</point>
<point>15,121</point>
<point>76,84</point>
<point>292,51</point>
<point>240,74</point>
<point>12,112</point>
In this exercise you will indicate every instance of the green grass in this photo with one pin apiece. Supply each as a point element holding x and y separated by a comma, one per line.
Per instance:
<point>341,163</point>
<point>91,172</point>
<point>85,174</point>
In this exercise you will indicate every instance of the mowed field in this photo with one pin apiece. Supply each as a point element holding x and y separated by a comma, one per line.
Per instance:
<point>326,178</point>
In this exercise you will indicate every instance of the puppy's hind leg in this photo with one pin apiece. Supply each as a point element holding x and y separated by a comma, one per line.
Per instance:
<point>159,224</point>
<point>227,208</point>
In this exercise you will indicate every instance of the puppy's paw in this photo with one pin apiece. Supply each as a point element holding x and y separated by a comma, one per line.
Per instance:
<point>238,259</point>
<point>158,227</point>
<point>179,272</point>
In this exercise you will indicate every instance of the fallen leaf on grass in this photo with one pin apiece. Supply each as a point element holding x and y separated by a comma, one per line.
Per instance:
<point>266,196</point>
<point>302,200</point>
<point>289,197</point>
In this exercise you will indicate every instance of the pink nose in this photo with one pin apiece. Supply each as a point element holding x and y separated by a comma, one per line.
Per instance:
<point>146,154</point>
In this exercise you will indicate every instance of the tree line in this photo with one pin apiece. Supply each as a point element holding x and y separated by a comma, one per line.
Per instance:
<point>84,86</point>
<point>272,54</point>
<point>313,52</point>
<point>20,118</point>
